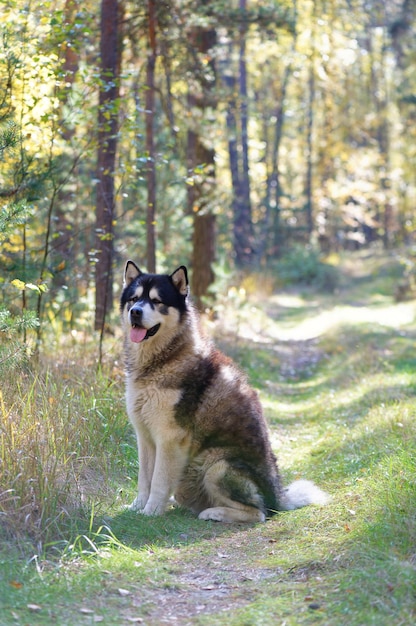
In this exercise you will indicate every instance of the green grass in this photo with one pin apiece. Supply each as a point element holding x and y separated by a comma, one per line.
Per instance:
<point>337,377</point>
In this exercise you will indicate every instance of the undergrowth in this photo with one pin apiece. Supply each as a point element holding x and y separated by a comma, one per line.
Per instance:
<point>63,445</point>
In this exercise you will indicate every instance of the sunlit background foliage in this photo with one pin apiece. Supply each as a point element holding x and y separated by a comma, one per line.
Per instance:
<point>329,102</point>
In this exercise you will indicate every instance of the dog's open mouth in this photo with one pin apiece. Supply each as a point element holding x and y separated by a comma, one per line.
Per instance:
<point>138,333</point>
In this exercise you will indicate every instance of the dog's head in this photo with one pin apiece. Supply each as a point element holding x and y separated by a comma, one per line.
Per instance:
<point>151,303</point>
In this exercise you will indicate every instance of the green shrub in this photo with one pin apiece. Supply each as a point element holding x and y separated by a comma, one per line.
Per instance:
<point>303,265</point>
<point>14,351</point>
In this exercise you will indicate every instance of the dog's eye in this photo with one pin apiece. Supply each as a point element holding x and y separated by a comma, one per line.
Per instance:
<point>133,299</point>
<point>156,301</point>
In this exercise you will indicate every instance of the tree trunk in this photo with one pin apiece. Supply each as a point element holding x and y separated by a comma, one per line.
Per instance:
<point>150,144</point>
<point>203,245</point>
<point>235,167</point>
<point>382,97</point>
<point>110,58</point>
<point>200,155</point>
<point>236,120</point>
<point>243,223</point>
<point>271,240</point>
<point>64,241</point>
<point>309,148</point>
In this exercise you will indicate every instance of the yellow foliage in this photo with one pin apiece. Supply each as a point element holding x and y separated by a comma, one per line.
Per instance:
<point>254,284</point>
<point>19,284</point>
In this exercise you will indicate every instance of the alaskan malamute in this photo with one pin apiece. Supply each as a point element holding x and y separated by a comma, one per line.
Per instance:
<point>200,428</point>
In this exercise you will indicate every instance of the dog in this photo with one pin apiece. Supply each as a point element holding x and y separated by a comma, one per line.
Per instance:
<point>201,433</point>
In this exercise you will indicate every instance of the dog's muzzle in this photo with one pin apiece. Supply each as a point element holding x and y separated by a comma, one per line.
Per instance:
<point>138,332</point>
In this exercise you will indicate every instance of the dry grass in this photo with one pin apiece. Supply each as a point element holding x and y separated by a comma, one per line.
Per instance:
<point>62,428</point>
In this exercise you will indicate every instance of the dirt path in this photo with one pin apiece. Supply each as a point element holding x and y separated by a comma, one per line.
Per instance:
<point>222,579</point>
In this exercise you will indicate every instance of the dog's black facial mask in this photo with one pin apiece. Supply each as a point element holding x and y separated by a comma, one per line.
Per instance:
<point>172,290</point>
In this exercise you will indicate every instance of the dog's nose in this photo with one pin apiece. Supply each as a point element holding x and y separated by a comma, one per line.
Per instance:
<point>136,314</point>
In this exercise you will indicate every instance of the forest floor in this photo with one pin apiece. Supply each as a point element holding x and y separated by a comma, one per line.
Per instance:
<point>337,377</point>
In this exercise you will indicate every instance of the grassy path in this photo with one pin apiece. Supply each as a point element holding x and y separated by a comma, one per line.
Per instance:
<point>337,377</point>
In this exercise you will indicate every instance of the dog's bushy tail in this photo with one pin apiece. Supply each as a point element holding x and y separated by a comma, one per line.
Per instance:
<point>301,493</point>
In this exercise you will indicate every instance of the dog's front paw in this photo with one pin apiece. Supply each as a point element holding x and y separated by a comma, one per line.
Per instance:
<point>154,508</point>
<point>138,503</point>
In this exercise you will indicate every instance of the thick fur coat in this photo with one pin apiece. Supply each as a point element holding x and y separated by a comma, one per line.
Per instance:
<point>201,433</point>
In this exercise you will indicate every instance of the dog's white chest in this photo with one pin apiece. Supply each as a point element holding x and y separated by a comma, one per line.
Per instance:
<point>151,405</point>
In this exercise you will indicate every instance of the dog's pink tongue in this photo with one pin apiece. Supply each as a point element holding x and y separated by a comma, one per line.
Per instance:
<point>137,334</point>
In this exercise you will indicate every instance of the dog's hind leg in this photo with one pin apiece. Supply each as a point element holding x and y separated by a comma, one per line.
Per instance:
<point>235,514</point>
<point>233,496</point>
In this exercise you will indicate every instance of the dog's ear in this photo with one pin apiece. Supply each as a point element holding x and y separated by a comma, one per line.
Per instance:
<point>131,272</point>
<point>180,280</point>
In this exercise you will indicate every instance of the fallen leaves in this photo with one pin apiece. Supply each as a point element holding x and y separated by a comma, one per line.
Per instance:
<point>15,584</point>
<point>123,592</point>
<point>95,618</point>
